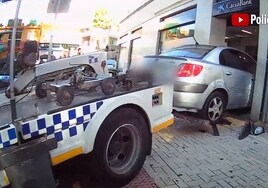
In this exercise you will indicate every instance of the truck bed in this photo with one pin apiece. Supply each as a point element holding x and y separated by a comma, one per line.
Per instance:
<point>26,104</point>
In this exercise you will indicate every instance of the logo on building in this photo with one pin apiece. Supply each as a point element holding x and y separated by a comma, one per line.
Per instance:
<point>221,8</point>
<point>229,6</point>
<point>234,4</point>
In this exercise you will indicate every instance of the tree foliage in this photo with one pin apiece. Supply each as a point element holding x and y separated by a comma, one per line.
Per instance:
<point>102,19</point>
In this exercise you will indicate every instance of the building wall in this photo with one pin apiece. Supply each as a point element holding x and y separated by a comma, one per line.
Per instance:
<point>147,18</point>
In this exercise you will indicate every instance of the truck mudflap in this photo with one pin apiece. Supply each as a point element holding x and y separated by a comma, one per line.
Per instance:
<point>18,165</point>
<point>8,135</point>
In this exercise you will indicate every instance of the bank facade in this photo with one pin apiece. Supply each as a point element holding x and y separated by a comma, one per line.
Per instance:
<point>159,25</point>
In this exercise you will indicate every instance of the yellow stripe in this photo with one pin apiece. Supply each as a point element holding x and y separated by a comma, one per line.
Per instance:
<point>65,156</point>
<point>6,180</point>
<point>163,125</point>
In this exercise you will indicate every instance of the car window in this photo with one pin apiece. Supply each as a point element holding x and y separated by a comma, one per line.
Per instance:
<point>249,62</point>
<point>238,60</point>
<point>192,52</point>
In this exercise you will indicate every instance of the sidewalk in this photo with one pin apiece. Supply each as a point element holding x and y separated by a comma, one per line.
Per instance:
<point>187,155</point>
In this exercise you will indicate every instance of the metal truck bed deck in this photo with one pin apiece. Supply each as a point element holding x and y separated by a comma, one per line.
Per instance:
<point>26,107</point>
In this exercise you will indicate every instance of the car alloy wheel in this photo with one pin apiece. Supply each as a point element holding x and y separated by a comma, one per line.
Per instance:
<point>215,108</point>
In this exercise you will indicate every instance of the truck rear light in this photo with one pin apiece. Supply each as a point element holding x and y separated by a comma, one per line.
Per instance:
<point>189,70</point>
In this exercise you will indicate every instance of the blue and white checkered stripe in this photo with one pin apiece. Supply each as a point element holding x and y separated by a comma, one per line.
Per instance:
<point>8,136</point>
<point>67,123</point>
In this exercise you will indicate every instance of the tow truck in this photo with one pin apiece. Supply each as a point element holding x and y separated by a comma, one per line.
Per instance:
<point>112,134</point>
<point>116,130</point>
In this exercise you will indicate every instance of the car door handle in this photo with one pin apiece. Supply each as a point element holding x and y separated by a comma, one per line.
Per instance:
<point>228,73</point>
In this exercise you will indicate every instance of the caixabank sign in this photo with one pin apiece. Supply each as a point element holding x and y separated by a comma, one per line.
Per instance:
<point>230,6</point>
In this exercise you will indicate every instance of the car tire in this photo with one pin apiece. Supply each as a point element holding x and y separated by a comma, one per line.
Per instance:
<point>120,148</point>
<point>39,91</point>
<point>108,86</point>
<point>214,107</point>
<point>65,95</point>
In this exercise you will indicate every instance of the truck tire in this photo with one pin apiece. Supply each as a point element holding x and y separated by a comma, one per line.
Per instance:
<point>120,148</point>
<point>39,91</point>
<point>214,107</point>
<point>108,86</point>
<point>65,95</point>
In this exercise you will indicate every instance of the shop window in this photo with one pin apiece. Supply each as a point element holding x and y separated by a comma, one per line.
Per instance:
<point>174,37</point>
<point>178,32</point>
<point>136,51</point>
<point>175,28</point>
<point>123,56</point>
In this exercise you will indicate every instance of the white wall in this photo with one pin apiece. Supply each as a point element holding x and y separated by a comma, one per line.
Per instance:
<point>209,30</point>
<point>152,10</point>
<point>206,27</point>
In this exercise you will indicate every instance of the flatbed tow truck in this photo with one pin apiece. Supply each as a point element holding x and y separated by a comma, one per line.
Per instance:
<point>113,133</point>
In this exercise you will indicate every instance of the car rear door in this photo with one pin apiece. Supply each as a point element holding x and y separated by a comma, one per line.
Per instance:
<point>238,73</point>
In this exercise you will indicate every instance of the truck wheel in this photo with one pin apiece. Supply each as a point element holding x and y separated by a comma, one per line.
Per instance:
<point>120,148</point>
<point>39,91</point>
<point>108,86</point>
<point>65,95</point>
<point>214,107</point>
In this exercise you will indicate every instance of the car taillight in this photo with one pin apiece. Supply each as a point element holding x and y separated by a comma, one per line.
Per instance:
<point>189,70</point>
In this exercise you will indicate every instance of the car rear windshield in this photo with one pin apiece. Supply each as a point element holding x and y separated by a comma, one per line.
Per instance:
<point>189,52</point>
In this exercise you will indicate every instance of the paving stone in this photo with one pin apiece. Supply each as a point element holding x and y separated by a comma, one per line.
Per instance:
<point>218,177</point>
<point>224,184</point>
<point>257,183</point>
<point>195,182</point>
<point>207,172</point>
<point>234,184</point>
<point>204,177</point>
<point>209,185</point>
<point>170,186</point>
<point>231,179</point>
<point>185,157</point>
<point>242,183</point>
<point>195,177</point>
<point>159,182</point>
<point>180,183</point>
<point>184,177</point>
<point>168,170</point>
<point>169,183</point>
